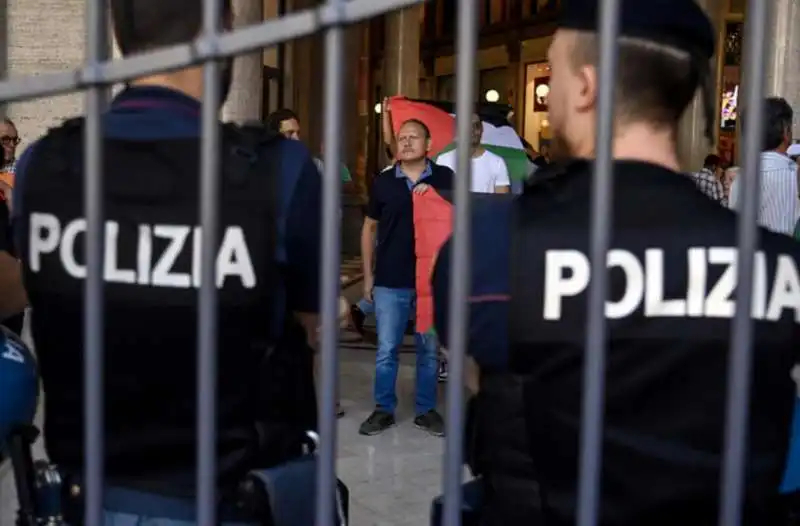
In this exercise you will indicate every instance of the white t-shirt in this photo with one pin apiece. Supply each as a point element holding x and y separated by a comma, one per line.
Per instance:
<point>488,170</point>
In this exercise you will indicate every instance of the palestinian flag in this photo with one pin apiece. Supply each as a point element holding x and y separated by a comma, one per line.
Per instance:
<point>499,137</point>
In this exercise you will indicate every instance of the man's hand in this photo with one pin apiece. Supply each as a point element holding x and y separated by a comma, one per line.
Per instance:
<point>421,188</point>
<point>369,284</point>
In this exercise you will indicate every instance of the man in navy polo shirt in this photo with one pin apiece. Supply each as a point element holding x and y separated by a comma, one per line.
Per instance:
<point>390,283</point>
<point>166,107</point>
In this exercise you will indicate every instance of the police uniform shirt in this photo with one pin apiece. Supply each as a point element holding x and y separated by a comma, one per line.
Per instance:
<point>670,305</point>
<point>154,113</point>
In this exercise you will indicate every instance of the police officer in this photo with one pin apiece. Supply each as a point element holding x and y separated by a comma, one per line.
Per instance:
<point>267,274</point>
<point>672,281</point>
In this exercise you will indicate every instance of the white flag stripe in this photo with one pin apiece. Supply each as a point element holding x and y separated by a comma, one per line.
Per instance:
<point>504,136</point>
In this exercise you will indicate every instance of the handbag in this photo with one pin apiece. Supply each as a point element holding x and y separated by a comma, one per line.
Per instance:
<point>288,490</point>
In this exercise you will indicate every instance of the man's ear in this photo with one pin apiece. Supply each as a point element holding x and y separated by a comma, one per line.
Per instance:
<point>586,97</point>
<point>428,144</point>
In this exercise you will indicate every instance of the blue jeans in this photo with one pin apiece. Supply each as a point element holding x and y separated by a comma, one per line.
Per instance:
<point>392,309</point>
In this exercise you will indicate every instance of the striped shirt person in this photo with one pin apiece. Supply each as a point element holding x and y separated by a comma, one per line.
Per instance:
<point>779,206</point>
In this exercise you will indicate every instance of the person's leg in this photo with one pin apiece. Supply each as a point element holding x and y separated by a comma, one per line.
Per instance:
<point>365,306</point>
<point>427,369</point>
<point>391,311</point>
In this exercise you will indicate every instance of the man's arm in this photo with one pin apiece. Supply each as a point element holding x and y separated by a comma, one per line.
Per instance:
<point>386,126</point>
<point>302,242</point>
<point>368,231</point>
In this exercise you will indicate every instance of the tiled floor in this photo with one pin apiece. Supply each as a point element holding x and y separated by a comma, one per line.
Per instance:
<point>392,477</point>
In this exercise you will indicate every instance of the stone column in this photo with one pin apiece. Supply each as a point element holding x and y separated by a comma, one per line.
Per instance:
<point>402,57</point>
<point>43,36</point>
<point>783,55</point>
<point>245,99</point>
<point>693,146</point>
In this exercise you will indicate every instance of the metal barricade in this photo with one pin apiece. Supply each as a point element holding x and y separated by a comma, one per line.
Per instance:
<point>98,74</point>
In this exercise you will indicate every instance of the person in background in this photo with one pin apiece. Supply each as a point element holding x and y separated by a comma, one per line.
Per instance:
<point>709,179</point>
<point>9,139</point>
<point>489,170</point>
<point>285,122</point>
<point>390,277</point>
<point>779,207</point>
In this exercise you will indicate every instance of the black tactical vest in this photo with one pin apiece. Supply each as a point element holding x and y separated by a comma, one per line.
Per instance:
<point>667,351</point>
<point>152,277</point>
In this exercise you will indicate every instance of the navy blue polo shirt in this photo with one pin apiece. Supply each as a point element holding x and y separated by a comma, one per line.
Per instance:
<point>390,204</point>
<point>154,113</point>
<point>490,287</point>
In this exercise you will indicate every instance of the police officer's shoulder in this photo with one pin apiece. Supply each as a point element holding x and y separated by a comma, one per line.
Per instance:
<point>59,146</point>
<point>552,176</point>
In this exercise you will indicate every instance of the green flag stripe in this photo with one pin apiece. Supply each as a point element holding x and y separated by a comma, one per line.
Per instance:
<point>516,161</point>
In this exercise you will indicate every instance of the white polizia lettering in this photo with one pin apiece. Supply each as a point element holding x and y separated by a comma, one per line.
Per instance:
<point>156,269</point>
<point>567,274</point>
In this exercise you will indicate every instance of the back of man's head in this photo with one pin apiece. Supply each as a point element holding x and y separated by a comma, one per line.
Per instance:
<point>778,116</point>
<point>144,25</point>
<point>655,82</point>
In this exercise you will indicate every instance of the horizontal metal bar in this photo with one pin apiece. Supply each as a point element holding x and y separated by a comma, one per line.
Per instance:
<point>241,41</point>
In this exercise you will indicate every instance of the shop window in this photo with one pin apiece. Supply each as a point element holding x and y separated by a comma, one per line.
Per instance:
<point>729,96</point>
<point>535,124</point>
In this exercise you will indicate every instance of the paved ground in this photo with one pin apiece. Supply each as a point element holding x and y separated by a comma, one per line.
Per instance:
<point>392,477</point>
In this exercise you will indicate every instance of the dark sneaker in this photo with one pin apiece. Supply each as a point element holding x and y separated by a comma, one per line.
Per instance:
<point>376,423</point>
<point>442,374</point>
<point>339,410</point>
<point>357,317</point>
<point>431,422</point>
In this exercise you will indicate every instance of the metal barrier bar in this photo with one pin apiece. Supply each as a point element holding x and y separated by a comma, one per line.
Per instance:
<point>271,32</point>
<point>460,270</point>
<point>602,209</point>
<point>739,371</point>
<point>207,319</point>
<point>97,50</point>
<point>329,267</point>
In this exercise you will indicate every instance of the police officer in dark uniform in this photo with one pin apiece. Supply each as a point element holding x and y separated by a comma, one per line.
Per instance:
<point>672,281</point>
<point>267,276</point>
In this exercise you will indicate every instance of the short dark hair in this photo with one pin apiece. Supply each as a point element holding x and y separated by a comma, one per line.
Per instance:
<point>143,25</point>
<point>712,161</point>
<point>275,118</point>
<point>655,82</point>
<point>778,116</point>
<point>425,130</point>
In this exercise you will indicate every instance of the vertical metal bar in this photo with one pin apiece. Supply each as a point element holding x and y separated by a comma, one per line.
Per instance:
<point>329,270</point>
<point>97,51</point>
<point>207,329</point>
<point>602,208</point>
<point>738,407</point>
<point>466,49</point>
